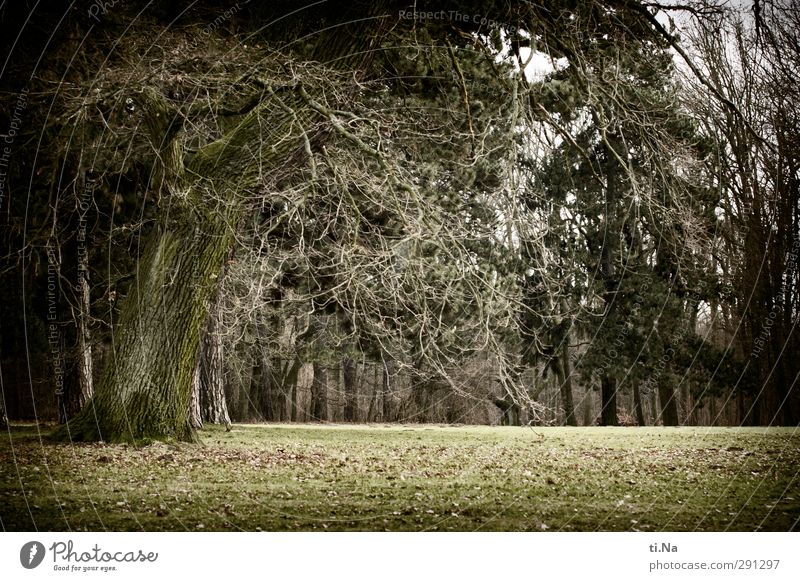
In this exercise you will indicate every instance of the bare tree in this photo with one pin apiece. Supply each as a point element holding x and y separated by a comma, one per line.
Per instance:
<point>756,166</point>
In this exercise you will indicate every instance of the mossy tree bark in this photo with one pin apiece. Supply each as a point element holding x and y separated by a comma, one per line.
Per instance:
<point>146,387</point>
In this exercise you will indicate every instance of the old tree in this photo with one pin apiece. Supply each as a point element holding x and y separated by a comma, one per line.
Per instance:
<point>145,388</point>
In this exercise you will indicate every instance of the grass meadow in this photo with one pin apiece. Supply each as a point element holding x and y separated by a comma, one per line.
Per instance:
<point>408,478</point>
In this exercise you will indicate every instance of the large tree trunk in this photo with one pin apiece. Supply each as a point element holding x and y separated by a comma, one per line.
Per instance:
<point>319,393</point>
<point>146,388</point>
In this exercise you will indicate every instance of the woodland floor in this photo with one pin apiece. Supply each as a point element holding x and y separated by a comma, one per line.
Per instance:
<point>403,477</point>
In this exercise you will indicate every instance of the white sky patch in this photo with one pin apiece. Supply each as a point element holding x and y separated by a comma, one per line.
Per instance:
<point>539,64</point>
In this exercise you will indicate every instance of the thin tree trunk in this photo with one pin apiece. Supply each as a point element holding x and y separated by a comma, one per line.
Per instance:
<point>608,387</point>
<point>421,387</point>
<point>3,416</point>
<point>509,411</point>
<point>61,366</point>
<point>350,386</point>
<point>85,381</point>
<point>588,407</point>
<point>637,404</point>
<point>319,393</point>
<point>712,411</point>
<point>372,412</point>
<point>77,372</point>
<point>263,387</point>
<point>212,370</point>
<point>685,405</point>
<point>669,407</point>
<point>654,406</point>
<point>420,396</point>
<point>259,400</point>
<point>566,384</point>
<point>195,413</point>
<point>242,387</point>
<point>388,376</point>
<point>278,387</point>
<point>291,382</point>
<point>85,372</point>
<point>278,398</point>
<point>608,415</point>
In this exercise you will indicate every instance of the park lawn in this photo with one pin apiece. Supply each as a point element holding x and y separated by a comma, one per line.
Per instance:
<point>408,478</point>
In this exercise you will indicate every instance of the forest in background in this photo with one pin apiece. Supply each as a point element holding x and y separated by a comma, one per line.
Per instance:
<point>456,212</point>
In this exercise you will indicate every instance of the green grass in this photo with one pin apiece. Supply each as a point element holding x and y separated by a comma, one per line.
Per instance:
<point>413,478</point>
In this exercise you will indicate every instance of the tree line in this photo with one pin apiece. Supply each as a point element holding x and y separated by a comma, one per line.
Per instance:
<point>578,213</point>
